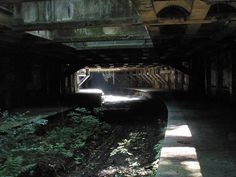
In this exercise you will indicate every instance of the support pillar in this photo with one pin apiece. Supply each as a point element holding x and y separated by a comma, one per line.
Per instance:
<point>219,76</point>
<point>72,83</point>
<point>76,86</point>
<point>182,81</point>
<point>176,75</point>
<point>69,84</point>
<point>233,75</point>
<point>208,76</point>
<point>197,76</point>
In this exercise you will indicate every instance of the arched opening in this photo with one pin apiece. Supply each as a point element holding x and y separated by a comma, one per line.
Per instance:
<point>173,12</point>
<point>221,10</point>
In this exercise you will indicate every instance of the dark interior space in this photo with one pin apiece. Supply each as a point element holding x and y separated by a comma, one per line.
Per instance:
<point>111,88</point>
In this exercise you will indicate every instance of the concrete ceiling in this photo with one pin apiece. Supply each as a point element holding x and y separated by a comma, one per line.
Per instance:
<point>159,31</point>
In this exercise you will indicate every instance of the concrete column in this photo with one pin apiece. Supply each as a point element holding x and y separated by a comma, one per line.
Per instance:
<point>7,82</point>
<point>72,83</point>
<point>63,84</point>
<point>114,79</point>
<point>69,84</point>
<point>176,75</point>
<point>18,13</point>
<point>186,82</point>
<point>219,76</point>
<point>76,78</point>
<point>233,56</point>
<point>182,81</point>
<point>169,78</point>
<point>208,76</point>
<point>66,84</point>
<point>191,75</point>
<point>197,76</point>
<point>54,79</point>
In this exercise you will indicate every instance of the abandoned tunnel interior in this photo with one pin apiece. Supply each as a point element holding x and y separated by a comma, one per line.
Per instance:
<point>117,88</point>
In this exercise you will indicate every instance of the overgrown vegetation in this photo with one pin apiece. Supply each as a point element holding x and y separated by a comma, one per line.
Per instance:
<point>24,151</point>
<point>133,149</point>
<point>77,142</point>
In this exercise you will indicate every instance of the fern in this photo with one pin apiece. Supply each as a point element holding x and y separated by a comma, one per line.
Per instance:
<point>12,167</point>
<point>158,148</point>
<point>62,141</point>
<point>82,110</point>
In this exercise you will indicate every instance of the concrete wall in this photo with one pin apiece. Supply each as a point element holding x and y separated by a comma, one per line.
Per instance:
<point>221,79</point>
<point>25,82</point>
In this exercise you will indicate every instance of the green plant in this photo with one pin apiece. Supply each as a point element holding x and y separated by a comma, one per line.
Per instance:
<point>4,115</point>
<point>152,174</point>
<point>82,110</point>
<point>78,160</point>
<point>12,167</point>
<point>78,144</point>
<point>7,117</point>
<point>20,143</point>
<point>157,149</point>
<point>58,148</point>
<point>98,110</point>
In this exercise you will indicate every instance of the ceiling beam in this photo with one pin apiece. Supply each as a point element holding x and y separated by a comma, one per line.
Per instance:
<point>98,39</point>
<point>163,22</point>
<point>127,21</point>
<point>18,1</point>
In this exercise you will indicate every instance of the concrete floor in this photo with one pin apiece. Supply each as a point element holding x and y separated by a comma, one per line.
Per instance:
<point>200,141</point>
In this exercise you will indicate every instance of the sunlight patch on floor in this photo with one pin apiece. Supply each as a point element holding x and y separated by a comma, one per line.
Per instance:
<point>117,99</point>
<point>178,156</point>
<point>95,91</point>
<point>182,130</point>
